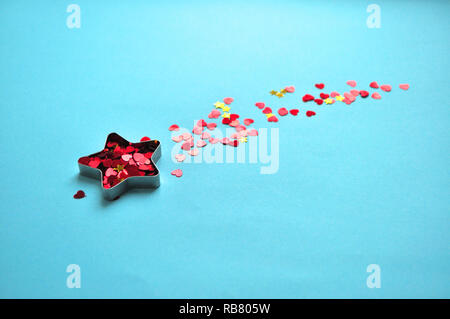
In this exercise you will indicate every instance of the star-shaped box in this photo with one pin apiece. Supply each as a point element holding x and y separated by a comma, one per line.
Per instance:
<point>122,165</point>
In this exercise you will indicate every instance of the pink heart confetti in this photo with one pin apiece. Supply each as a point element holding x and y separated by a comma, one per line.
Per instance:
<point>194,151</point>
<point>290,89</point>
<point>253,132</point>
<point>197,130</point>
<point>354,92</point>
<point>404,86</point>
<point>240,128</point>
<point>352,83</point>
<point>228,100</point>
<point>177,139</point>
<point>386,87</point>
<point>205,136</point>
<point>248,121</point>
<point>214,114</point>
<point>376,96</point>
<point>180,157</point>
<point>334,94</point>
<point>126,157</point>
<point>110,172</point>
<point>177,172</point>
<point>201,143</point>
<point>213,140</point>
<point>186,136</point>
<point>211,126</point>
<point>260,105</point>
<point>186,146</point>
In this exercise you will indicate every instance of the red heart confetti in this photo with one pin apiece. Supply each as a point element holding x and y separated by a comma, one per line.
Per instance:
<point>273,118</point>
<point>386,87</point>
<point>145,138</point>
<point>283,111</point>
<point>294,112</point>
<point>248,121</point>
<point>80,194</point>
<point>267,110</point>
<point>226,121</point>
<point>307,98</point>
<point>318,101</point>
<point>320,86</point>
<point>310,113</point>
<point>174,127</point>
<point>324,96</point>
<point>363,93</point>
<point>374,85</point>
<point>260,105</point>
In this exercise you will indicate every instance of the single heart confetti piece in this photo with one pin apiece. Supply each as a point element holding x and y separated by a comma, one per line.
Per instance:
<point>177,139</point>
<point>177,172</point>
<point>225,140</point>
<point>374,85</point>
<point>267,110</point>
<point>253,132</point>
<point>80,194</point>
<point>248,122</point>
<point>260,105</point>
<point>349,96</point>
<point>334,94</point>
<point>240,128</point>
<point>213,140</point>
<point>290,89</point>
<point>145,139</point>
<point>174,127</point>
<point>324,96</point>
<point>186,146</point>
<point>197,130</point>
<point>386,87</point>
<point>228,100</point>
<point>205,136</point>
<point>273,118</point>
<point>194,151</point>
<point>376,96</point>
<point>180,157</point>
<point>352,83</point>
<point>234,117</point>
<point>186,136</point>
<point>201,143</point>
<point>363,93</point>
<point>110,172</point>
<point>307,98</point>
<point>126,157</point>
<point>233,143</point>
<point>310,113</point>
<point>320,86</point>
<point>318,101</point>
<point>226,121</point>
<point>294,112</point>
<point>354,92</point>
<point>234,123</point>
<point>404,86</point>
<point>214,114</point>
<point>211,126</point>
<point>283,111</point>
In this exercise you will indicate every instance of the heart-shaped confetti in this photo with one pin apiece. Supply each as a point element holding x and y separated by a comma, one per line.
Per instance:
<point>376,96</point>
<point>205,136</point>
<point>374,85</point>
<point>294,112</point>
<point>180,157</point>
<point>386,87</point>
<point>194,151</point>
<point>252,132</point>
<point>228,100</point>
<point>363,93</point>
<point>177,139</point>
<point>201,123</point>
<point>283,111</point>
<point>174,127</point>
<point>324,96</point>
<point>273,118</point>
<point>186,146</point>
<point>234,123</point>
<point>290,89</point>
<point>226,121</point>
<point>349,96</point>
<point>214,114</point>
<point>404,86</point>
<point>320,86</point>
<point>145,139</point>
<point>318,101</point>
<point>234,117</point>
<point>197,130</point>
<point>347,101</point>
<point>310,113</point>
<point>233,143</point>
<point>354,92</point>
<point>80,194</point>
<point>213,140</point>
<point>177,172</point>
<point>201,143</point>
<point>334,94</point>
<point>248,121</point>
<point>352,83</point>
<point>110,172</point>
<point>127,157</point>
<point>211,126</point>
<point>267,110</point>
<point>186,136</point>
<point>307,98</point>
<point>225,140</point>
<point>240,128</point>
<point>260,105</point>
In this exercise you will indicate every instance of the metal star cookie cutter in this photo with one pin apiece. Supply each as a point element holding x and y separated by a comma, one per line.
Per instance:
<point>151,180</point>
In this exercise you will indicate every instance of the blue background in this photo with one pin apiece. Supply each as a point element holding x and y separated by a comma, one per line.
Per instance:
<point>358,185</point>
